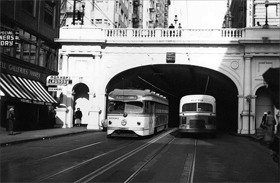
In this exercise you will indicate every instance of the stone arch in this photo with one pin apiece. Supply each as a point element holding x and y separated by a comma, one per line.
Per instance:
<point>231,114</point>
<point>263,103</point>
<point>81,100</point>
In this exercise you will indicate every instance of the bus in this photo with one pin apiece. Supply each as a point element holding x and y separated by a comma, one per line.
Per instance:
<point>134,112</point>
<point>198,114</point>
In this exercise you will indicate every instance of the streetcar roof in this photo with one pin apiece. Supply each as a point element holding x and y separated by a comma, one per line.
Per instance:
<point>147,94</point>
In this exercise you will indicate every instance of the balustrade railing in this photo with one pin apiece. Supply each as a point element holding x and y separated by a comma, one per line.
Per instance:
<point>90,33</point>
<point>174,33</point>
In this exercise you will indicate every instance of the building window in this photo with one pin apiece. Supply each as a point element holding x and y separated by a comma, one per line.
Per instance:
<point>49,13</point>
<point>47,57</point>
<point>27,48</point>
<point>28,6</point>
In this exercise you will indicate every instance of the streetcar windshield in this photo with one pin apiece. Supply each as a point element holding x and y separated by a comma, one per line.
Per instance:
<point>118,107</point>
<point>197,107</point>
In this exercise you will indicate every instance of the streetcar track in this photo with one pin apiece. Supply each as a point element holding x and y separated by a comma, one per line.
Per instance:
<point>192,168</point>
<point>49,157</point>
<point>110,165</point>
<point>105,167</point>
<point>132,176</point>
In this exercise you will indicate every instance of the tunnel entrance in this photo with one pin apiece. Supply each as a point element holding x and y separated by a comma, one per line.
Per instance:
<point>175,81</point>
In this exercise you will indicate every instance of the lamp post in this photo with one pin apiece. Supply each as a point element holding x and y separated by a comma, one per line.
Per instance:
<point>74,12</point>
<point>266,5</point>
<point>83,14</point>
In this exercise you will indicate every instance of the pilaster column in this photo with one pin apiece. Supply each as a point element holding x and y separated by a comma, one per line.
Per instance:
<point>69,110</point>
<point>248,125</point>
<point>94,113</point>
<point>61,110</point>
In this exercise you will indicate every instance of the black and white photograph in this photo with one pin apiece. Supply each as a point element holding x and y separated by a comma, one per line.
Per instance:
<point>143,91</point>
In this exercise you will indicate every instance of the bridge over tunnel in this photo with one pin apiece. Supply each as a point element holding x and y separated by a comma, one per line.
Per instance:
<point>176,80</point>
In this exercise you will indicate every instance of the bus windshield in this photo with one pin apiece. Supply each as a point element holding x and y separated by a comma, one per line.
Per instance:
<point>119,107</point>
<point>197,107</point>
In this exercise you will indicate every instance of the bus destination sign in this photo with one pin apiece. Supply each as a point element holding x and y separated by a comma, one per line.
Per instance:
<point>126,97</point>
<point>58,80</point>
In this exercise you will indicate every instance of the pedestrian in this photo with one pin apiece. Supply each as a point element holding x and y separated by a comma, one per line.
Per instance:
<point>11,121</point>
<point>180,31</point>
<point>263,122</point>
<point>271,77</point>
<point>171,32</point>
<point>270,121</point>
<point>171,26</point>
<point>78,117</point>
<point>179,26</point>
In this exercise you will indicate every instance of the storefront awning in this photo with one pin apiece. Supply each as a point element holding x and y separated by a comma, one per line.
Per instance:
<point>26,90</point>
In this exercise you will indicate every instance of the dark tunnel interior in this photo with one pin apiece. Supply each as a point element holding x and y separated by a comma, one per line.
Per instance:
<point>175,81</point>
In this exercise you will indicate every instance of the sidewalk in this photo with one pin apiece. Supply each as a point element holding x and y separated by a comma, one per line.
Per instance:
<point>25,136</point>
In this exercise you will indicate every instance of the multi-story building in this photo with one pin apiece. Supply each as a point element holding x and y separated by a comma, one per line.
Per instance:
<point>151,13</point>
<point>260,12</point>
<point>99,13</point>
<point>26,65</point>
<point>115,14</point>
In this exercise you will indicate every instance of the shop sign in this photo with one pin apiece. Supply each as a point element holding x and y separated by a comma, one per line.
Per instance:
<point>35,102</point>
<point>7,38</point>
<point>58,80</point>
<point>18,70</point>
<point>54,89</point>
<point>170,57</point>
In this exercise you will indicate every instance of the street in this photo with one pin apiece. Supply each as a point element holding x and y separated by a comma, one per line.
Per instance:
<point>164,157</point>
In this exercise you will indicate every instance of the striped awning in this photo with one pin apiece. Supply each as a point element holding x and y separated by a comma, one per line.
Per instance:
<point>27,90</point>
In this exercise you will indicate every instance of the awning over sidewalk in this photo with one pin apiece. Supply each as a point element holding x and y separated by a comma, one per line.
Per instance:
<point>27,90</point>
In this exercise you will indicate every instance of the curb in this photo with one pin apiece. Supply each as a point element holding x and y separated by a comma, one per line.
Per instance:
<point>44,138</point>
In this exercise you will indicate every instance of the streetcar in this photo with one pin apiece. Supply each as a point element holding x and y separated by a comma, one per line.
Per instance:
<point>133,112</point>
<point>198,114</point>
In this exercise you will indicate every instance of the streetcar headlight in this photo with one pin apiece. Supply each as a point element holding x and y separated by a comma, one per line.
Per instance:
<point>123,122</point>
<point>138,123</point>
<point>110,122</point>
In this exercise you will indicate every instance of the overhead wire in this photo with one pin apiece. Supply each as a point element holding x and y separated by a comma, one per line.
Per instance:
<point>104,14</point>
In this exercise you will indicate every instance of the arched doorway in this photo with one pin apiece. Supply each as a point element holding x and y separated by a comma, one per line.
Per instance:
<point>263,104</point>
<point>81,100</point>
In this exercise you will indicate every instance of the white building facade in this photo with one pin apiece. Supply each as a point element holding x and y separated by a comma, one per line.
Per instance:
<point>91,57</point>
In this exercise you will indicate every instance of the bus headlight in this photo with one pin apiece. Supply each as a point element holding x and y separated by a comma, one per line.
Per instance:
<point>184,120</point>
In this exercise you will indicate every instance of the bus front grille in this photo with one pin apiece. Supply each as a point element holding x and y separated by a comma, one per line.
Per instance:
<point>197,123</point>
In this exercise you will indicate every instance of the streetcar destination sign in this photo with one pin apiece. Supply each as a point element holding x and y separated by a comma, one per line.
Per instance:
<point>58,80</point>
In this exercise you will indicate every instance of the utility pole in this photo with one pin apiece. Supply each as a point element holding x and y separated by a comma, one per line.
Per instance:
<point>74,12</point>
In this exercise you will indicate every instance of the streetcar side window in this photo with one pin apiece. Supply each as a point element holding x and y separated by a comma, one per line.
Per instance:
<point>148,107</point>
<point>189,107</point>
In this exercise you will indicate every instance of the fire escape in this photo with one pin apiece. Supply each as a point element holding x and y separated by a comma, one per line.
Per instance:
<point>63,13</point>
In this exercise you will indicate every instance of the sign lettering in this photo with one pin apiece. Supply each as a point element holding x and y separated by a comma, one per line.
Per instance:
<point>7,38</point>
